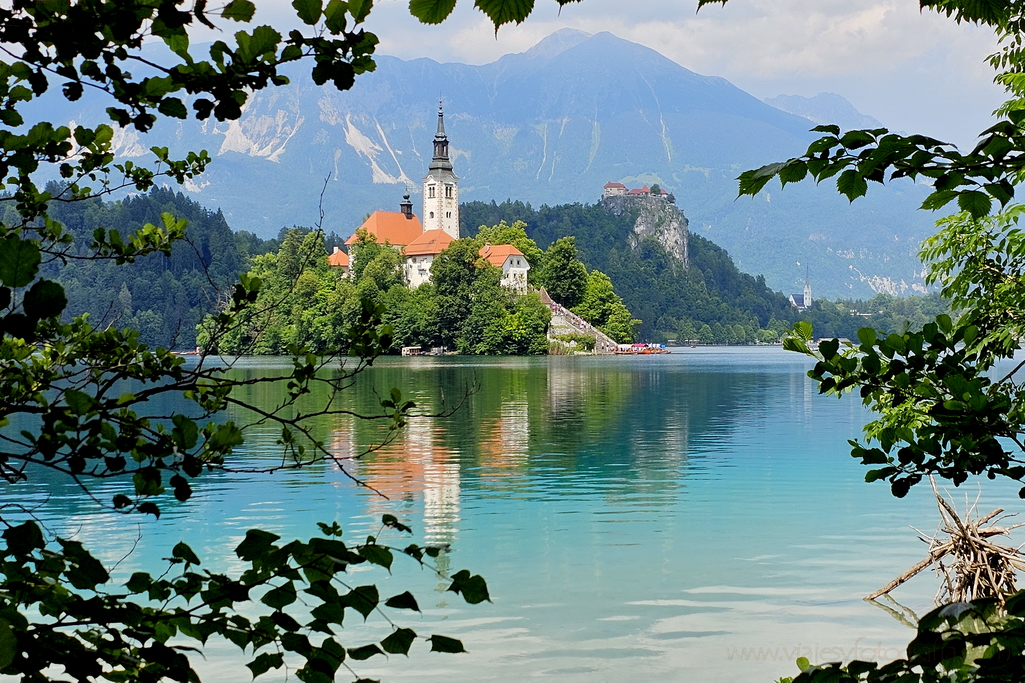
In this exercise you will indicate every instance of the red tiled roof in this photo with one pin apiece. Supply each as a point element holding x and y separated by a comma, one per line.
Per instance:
<point>498,253</point>
<point>611,185</point>
<point>431,242</point>
<point>392,227</point>
<point>338,258</point>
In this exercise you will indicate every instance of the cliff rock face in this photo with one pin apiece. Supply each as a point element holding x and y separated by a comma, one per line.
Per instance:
<point>657,218</point>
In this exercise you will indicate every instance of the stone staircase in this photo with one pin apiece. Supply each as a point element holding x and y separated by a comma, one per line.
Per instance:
<point>565,321</point>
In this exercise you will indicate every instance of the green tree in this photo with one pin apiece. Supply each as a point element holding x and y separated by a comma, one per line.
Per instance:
<point>686,332</point>
<point>516,235</point>
<point>564,276</point>
<point>705,335</point>
<point>81,400</point>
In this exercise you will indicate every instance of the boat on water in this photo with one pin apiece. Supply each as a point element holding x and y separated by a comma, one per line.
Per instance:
<point>641,349</point>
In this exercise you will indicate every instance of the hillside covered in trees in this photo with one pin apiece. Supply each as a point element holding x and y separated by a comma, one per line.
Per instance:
<point>163,297</point>
<point>166,297</point>
<point>656,287</point>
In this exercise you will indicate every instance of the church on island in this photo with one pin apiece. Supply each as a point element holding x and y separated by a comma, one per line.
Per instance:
<point>420,240</point>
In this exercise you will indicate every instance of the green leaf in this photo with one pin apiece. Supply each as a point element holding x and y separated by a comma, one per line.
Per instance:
<point>308,11</point>
<point>505,11</point>
<point>793,171</point>
<point>803,329</point>
<point>363,599</point>
<point>45,299</point>
<point>977,203</point>
<point>139,583</point>
<point>375,554</point>
<point>829,348</point>
<point>255,545</point>
<point>393,522</point>
<point>867,336</point>
<point>279,597</point>
<point>79,402</point>
<point>851,184</point>
<point>9,644</point>
<point>473,588</point>
<point>19,261</point>
<point>938,199</point>
<point>359,9</point>
<point>334,16</point>
<point>239,10</point>
<point>365,652</point>
<point>446,644</point>
<point>24,538</point>
<point>402,601</point>
<point>399,641</point>
<point>86,571</point>
<point>855,139</point>
<point>431,11</point>
<point>185,433</point>
<point>184,552</point>
<point>174,108</point>
<point>265,662</point>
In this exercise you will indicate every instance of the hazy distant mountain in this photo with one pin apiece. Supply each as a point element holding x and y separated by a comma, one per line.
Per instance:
<point>550,125</point>
<point>826,107</point>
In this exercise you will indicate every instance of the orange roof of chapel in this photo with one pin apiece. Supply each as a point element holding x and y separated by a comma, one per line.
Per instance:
<point>392,227</point>
<point>431,242</point>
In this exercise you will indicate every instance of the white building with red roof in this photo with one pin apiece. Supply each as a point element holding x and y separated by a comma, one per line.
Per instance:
<point>612,189</point>
<point>420,253</point>
<point>511,260</point>
<point>339,259</point>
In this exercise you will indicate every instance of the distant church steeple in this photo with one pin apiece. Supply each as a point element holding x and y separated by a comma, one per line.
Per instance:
<point>441,186</point>
<point>807,287</point>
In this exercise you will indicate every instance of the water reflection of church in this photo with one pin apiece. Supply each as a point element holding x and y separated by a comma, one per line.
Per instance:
<point>420,465</point>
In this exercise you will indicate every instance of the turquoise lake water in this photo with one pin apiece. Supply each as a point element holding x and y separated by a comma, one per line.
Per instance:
<point>688,517</point>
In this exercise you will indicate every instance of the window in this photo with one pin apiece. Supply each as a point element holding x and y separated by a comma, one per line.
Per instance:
<point>448,214</point>
<point>448,192</point>
<point>432,214</point>
<point>430,193</point>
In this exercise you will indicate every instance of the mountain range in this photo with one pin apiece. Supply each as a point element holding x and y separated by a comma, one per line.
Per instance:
<point>549,126</point>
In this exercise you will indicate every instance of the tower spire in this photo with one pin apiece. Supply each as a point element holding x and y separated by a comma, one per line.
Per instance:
<point>441,160</point>
<point>441,185</point>
<point>807,286</point>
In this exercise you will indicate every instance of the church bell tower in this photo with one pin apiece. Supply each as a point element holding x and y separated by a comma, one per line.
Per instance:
<point>441,187</point>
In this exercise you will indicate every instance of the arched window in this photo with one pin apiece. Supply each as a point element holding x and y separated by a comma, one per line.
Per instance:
<point>448,214</point>
<point>432,214</point>
<point>448,192</point>
<point>430,194</point>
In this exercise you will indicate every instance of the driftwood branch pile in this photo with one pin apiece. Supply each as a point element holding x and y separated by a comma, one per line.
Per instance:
<point>970,564</point>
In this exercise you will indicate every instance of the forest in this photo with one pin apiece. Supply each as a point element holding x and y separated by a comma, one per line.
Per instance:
<point>631,293</point>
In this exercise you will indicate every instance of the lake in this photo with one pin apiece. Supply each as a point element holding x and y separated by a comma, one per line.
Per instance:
<point>693,516</point>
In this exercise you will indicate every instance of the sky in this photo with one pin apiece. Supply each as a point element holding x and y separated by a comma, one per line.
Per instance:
<point>914,71</point>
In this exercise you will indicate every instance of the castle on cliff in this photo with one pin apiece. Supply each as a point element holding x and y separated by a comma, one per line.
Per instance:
<point>612,189</point>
